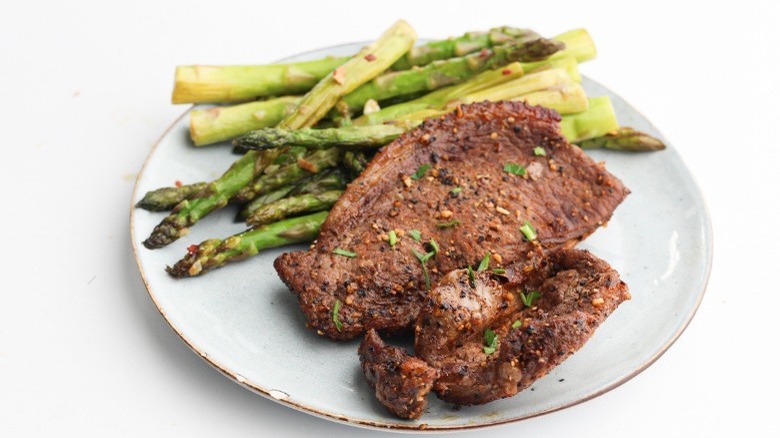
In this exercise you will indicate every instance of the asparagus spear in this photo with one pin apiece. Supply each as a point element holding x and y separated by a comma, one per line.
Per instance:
<point>468,43</point>
<point>166,198</point>
<point>598,120</point>
<point>349,137</point>
<point>356,162</point>
<point>317,161</point>
<point>291,206</point>
<point>215,195</point>
<point>214,253</point>
<point>451,71</point>
<point>222,123</point>
<point>318,183</point>
<point>624,139</point>
<point>369,62</point>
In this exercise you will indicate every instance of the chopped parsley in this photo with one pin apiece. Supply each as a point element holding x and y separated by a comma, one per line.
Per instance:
<point>485,263</point>
<point>499,271</point>
<point>490,341</point>
<point>517,323</point>
<point>344,252</point>
<point>456,190</point>
<point>421,171</point>
<point>392,238</point>
<point>529,299</point>
<point>472,279</point>
<point>528,231</point>
<point>449,224</point>
<point>423,258</point>
<point>434,245</point>
<point>336,321</point>
<point>415,234</point>
<point>539,151</point>
<point>514,168</point>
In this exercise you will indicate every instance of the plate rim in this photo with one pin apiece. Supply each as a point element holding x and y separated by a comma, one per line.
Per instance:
<point>419,427</point>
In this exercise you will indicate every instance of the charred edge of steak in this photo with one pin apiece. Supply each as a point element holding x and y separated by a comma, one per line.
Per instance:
<point>401,382</point>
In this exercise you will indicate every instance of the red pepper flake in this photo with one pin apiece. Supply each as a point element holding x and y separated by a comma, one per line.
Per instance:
<point>370,57</point>
<point>178,183</point>
<point>192,249</point>
<point>506,71</point>
<point>339,74</point>
<point>483,53</point>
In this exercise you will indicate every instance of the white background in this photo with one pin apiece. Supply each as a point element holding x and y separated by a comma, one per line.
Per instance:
<point>84,94</point>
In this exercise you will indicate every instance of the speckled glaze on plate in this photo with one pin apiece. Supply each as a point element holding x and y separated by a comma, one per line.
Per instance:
<point>243,321</point>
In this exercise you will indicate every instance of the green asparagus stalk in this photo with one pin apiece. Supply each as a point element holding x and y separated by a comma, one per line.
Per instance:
<point>441,97</point>
<point>292,206</point>
<point>234,83</point>
<point>578,44</point>
<point>568,63</point>
<point>215,195</point>
<point>214,253</point>
<point>349,137</point>
<point>355,162</point>
<point>318,183</point>
<point>164,199</point>
<point>565,99</point>
<point>369,62</point>
<point>468,43</point>
<point>624,139</point>
<point>598,120</point>
<point>542,80</point>
<point>222,123</point>
<point>316,162</point>
<point>451,71</point>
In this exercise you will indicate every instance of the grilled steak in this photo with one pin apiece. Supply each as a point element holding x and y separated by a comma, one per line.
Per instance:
<point>401,381</point>
<point>577,291</point>
<point>467,181</point>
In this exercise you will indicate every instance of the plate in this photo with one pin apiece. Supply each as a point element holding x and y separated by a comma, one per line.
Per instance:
<point>242,320</point>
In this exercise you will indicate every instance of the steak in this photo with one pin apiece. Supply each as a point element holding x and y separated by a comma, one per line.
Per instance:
<point>576,293</point>
<point>439,198</point>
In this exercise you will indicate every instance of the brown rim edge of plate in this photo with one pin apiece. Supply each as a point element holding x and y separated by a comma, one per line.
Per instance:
<point>421,427</point>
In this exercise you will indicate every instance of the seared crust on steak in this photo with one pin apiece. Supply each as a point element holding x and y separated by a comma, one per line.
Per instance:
<point>564,194</point>
<point>578,292</point>
<point>401,381</point>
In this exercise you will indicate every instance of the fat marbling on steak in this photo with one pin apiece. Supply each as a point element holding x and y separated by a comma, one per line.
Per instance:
<point>467,181</point>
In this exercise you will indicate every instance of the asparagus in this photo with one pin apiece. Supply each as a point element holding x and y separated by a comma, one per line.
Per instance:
<point>349,137</point>
<point>356,162</point>
<point>624,139</point>
<point>234,83</point>
<point>468,43</point>
<point>318,183</point>
<point>213,196</point>
<point>214,253</point>
<point>291,206</point>
<point>369,62</point>
<point>565,99</point>
<point>541,80</point>
<point>222,123</point>
<point>598,120</point>
<point>451,71</point>
<point>317,161</point>
<point>164,199</point>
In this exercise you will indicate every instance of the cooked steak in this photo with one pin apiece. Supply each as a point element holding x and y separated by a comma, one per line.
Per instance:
<point>437,199</point>
<point>401,381</point>
<point>575,292</point>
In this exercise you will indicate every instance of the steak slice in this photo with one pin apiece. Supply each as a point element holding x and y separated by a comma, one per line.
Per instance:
<point>578,291</point>
<point>456,180</point>
<point>401,381</point>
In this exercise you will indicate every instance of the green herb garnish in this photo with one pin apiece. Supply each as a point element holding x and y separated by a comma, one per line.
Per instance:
<point>456,190</point>
<point>517,323</point>
<point>336,321</point>
<point>344,252</point>
<point>529,299</point>
<point>528,231</point>
<point>449,224</point>
<point>434,245</point>
<point>472,279</point>
<point>539,151</point>
<point>491,342</point>
<point>421,171</point>
<point>392,239</point>
<point>485,263</point>
<point>423,258</point>
<point>415,234</point>
<point>499,271</point>
<point>514,168</point>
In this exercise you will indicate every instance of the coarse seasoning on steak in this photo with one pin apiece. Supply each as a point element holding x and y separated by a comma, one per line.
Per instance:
<point>439,198</point>
<point>489,337</point>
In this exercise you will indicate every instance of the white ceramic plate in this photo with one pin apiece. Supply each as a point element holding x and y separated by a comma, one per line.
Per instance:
<point>242,320</point>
